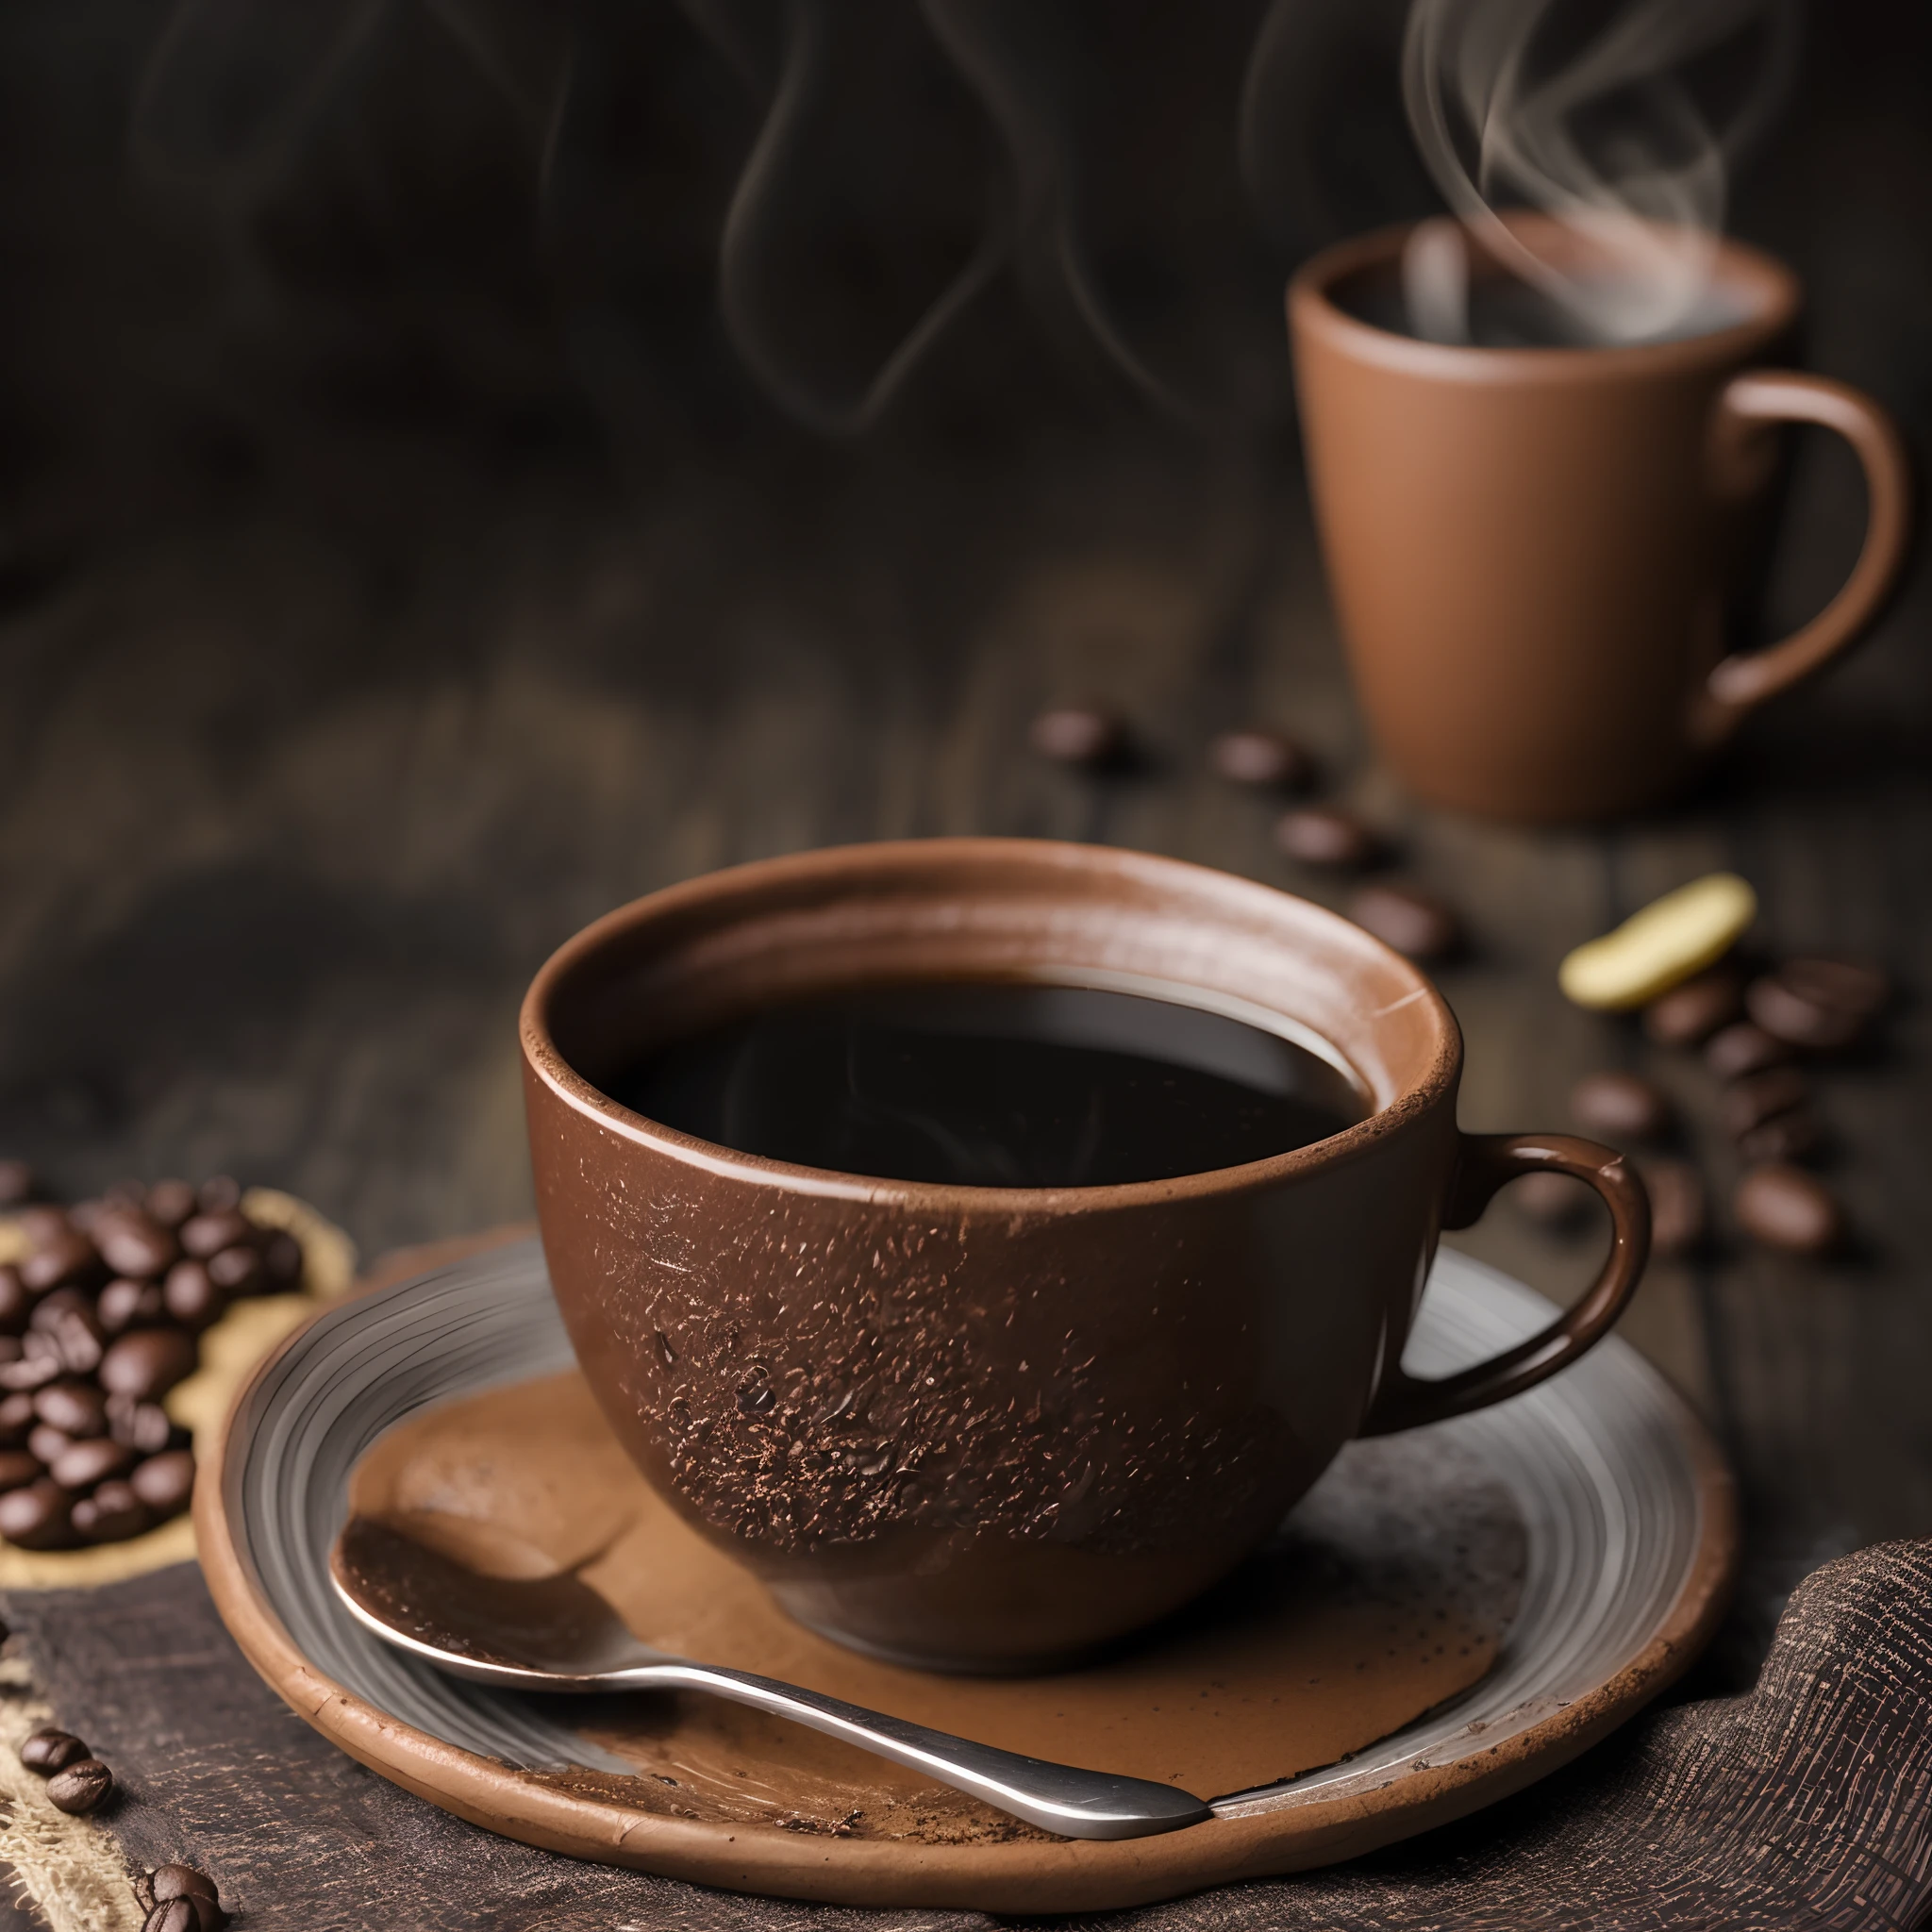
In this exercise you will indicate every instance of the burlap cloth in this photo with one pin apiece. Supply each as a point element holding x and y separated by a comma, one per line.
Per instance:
<point>1806,1804</point>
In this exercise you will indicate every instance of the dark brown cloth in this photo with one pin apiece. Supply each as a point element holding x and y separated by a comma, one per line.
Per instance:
<point>1806,1804</point>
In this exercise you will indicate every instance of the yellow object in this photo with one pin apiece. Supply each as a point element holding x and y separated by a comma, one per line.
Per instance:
<point>1654,950</point>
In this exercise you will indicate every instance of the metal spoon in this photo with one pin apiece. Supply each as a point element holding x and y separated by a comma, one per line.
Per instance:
<point>555,1633</point>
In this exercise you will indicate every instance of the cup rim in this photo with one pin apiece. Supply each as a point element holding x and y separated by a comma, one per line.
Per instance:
<point>1312,310</point>
<point>544,1062</point>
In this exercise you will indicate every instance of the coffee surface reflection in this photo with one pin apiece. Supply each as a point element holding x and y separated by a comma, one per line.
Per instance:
<point>990,1085</point>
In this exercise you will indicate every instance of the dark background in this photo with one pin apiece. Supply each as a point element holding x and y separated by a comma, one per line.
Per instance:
<point>406,555</point>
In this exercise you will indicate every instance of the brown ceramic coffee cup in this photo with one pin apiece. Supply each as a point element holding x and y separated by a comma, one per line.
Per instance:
<point>1531,551</point>
<point>986,1429</point>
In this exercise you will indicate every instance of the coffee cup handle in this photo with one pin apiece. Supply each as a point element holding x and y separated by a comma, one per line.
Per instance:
<point>1744,680</point>
<point>1486,1161</point>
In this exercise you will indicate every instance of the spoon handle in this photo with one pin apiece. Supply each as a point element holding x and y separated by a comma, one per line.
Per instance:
<point>1057,1797</point>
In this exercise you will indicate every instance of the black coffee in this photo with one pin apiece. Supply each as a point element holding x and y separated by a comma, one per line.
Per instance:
<point>1504,313</point>
<point>996,1086</point>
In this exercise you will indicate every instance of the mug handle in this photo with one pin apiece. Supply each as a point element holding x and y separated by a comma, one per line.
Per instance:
<point>1484,1163</point>
<point>1745,680</point>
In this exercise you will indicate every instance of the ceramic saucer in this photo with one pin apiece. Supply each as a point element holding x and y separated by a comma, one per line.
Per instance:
<point>1449,1615</point>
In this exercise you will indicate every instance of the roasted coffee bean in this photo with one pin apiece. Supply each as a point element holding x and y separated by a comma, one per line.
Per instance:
<point>91,1462</point>
<point>220,1194</point>
<point>79,1336</point>
<point>143,1426</point>
<point>1780,1206</point>
<point>16,1303</point>
<point>1678,1215</point>
<point>48,1310</point>
<point>10,1350</point>
<point>1745,1048</point>
<point>1409,919</point>
<point>1262,759</point>
<point>84,1786</point>
<point>209,1234</point>
<point>165,1482</point>
<point>111,1515</point>
<point>16,1417</point>
<point>48,1750</point>
<point>236,1271</point>
<point>1788,1137</point>
<point>16,1183</point>
<point>38,1517</point>
<point>183,1881</point>
<point>130,1305</point>
<point>281,1260</point>
<point>77,1409</point>
<point>177,1914</point>
<point>63,1257</point>
<point>1847,985</point>
<point>1550,1200</point>
<point>1622,1106</point>
<point>18,1467</point>
<point>170,1203</point>
<point>1326,835</point>
<point>35,1368</point>
<point>1694,1010</point>
<point>147,1363</point>
<point>131,1243</point>
<point>39,1225</point>
<point>1750,1103</point>
<point>1795,1017</point>
<point>1078,735</point>
<point>190,1296</point>
<point>47,1445</point>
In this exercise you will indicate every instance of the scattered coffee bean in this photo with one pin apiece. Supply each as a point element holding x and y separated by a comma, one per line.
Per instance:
<point>1778,1205</point>
<point>1794,1017</point>
<point>182,1881</point>
<point>111,1515</point>
<point>1678,1215</point>
<point>165,1482</point>
<point>170,1203</point>
<point>190,1296</point>
<point>1847,985</point>
<point>91,1462</point>
<point>143,1426</point>
<point>236,1271</point>
<point>36,1517</point>
<point>755,1401</point>
<point>1262,759</point>
<point>1411,921</point>
<point>48,1750</point>
<point>220,1194</point>
<point>1743,1048</point>
<point>131,1243</point>
<point>1788,1137</point>
<point>16,1184</point>
<point>16,1303</point>
<point>75,1408</point>
<point>84,1786</point>
<point>1622,1107</point>
<point>130,1305</point>
<point>177,1914</point>
<point>1078,735</point>
<point>1550,1200</point>
<point>147,1363</point>
<point>47,1445</point>
<point>18,1467</point>
<point>64,1257</point>
<point>1749,1103</point>
<point>281,1260</point>
<point>1326,835</point>
<point>1691,1012</point>
<point>16,1417</point>
<point>209,1234</point>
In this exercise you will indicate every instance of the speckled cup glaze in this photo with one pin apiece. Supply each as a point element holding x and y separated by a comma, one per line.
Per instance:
<point>977,1428</point>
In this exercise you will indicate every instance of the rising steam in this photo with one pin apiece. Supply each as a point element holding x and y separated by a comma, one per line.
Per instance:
<point>1613,137</point>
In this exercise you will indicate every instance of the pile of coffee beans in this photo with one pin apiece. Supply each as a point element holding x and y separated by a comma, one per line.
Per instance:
<point>1758,1034</point>
<point>98,1321</point>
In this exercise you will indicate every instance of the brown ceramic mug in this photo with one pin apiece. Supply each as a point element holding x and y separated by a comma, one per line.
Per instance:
<point>1531,550</point>
<point>986,1429</point>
